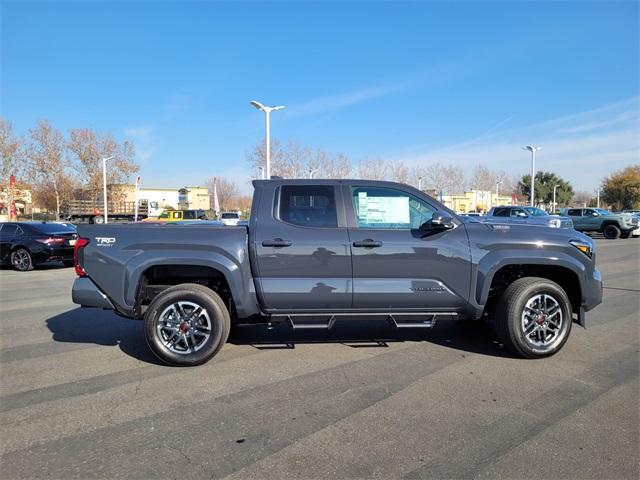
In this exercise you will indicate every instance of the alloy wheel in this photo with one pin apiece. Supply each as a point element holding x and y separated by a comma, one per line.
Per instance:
<point>542,321</point>
<point>184,327</point>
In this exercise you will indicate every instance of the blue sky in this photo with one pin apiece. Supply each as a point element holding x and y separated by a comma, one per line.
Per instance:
<point>420,82</point>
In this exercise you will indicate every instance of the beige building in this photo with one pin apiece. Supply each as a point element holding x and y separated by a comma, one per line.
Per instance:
<point>476,201</point>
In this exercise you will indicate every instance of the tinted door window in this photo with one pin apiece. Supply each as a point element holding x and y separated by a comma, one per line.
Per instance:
<point>518,213</point>
<point>501,212</point>
<point>575,212</point>
<point>388,208</point>
<point>9,231</point>
<point>308,206</point>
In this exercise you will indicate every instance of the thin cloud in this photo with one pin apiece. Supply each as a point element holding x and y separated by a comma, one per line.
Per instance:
<point>582,147</point>
<point>342,100</point>
<point>142,137</point>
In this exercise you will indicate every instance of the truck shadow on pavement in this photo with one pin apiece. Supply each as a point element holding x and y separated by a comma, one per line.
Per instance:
<point>470,337</point>
<point>103,327</point>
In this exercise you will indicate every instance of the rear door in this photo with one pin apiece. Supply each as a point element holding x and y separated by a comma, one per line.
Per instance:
<point>395,265</point>
<point>302,250</point>
<point>8,233</point>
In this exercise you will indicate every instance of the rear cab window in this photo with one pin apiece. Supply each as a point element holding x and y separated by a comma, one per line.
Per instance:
<point>308,206</point>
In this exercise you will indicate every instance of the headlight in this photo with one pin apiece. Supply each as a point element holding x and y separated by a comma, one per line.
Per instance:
<point>584,247</point>
<point>555,223</point>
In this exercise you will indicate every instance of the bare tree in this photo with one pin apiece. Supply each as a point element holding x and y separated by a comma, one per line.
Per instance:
<point>48,164</point>
<point>399,172</point>
<point>296,161</point>
<point>228,193</point>
<point>373,169</point>
<point>483,178</point>
<point>90,148</point>
<point>581,198</point>
<point>448,179</point>
<point>11,154</point>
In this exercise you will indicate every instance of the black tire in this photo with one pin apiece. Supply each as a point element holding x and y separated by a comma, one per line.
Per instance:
<point>626,234</point>
<point>611,232</point>
<point>21,260</point>
<point>217,316</point>
<point>510,318</point>
<point>68,263</point>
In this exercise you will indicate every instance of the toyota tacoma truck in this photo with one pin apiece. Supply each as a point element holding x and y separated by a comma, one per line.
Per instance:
<point>611,225</point>
<point>316,251</point>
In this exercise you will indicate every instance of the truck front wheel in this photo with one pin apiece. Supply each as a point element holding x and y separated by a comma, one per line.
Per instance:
<point>186,325</point>
<point>611,232</point>
<point>533,317</point>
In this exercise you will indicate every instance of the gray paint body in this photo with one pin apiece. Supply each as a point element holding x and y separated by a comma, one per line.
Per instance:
<point>321,270</point>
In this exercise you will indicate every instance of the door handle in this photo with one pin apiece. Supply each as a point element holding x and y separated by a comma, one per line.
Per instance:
<point>368,243</point>
<point>276,242</point>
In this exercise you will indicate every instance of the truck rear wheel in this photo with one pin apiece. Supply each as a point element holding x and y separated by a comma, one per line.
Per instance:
<point>186,325</point>
<point>611,232</point>
<point>533,317</point>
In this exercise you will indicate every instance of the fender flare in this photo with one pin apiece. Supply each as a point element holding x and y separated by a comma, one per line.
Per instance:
<point>494,261</point>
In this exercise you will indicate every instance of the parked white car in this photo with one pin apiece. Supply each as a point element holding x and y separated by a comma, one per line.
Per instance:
<point>229,218</point>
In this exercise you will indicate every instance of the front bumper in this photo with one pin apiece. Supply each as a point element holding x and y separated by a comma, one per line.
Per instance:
<point>87,294</point>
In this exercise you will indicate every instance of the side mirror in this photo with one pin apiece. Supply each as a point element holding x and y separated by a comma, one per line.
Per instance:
<point>437,223</point>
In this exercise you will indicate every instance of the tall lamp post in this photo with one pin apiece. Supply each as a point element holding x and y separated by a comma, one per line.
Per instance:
<point>267,111</point>
<point>533,149</point>
<point>420,183</point>
<point>104,185</point>
<point>261,168</point>
<point>598,199</point>
<point>311,172</point>
<point>553,207</point>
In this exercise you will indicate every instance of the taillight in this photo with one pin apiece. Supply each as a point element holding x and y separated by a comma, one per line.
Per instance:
<point>51,240</point>
<point>81,242</point>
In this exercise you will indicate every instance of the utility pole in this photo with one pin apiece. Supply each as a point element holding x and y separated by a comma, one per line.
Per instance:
<point>553,207</point>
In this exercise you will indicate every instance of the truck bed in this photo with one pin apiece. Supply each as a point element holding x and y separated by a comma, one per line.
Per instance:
<point>119,256</point>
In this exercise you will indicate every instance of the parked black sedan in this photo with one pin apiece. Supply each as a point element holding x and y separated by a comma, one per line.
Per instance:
<point>25,244</point>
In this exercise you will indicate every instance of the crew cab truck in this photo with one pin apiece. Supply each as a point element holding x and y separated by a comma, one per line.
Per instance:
<point>611,225</point>
<point>317,251</point>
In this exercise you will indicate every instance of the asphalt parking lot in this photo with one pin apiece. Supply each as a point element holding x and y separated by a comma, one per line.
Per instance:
<point>81,397</point>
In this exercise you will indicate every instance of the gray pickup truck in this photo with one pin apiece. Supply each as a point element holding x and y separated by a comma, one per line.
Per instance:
<point>320,250</point>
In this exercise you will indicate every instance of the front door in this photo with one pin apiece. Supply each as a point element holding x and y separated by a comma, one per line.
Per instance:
<point>303,255</point>
<point>396,266</point>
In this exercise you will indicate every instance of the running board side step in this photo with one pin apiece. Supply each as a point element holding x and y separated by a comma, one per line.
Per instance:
<point>427,323</point>
<point>312,326</point>
<point>424,320</point>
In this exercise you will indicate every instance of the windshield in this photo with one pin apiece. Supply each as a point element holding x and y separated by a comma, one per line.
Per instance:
<point>536,212</point>
<point>229,215</point>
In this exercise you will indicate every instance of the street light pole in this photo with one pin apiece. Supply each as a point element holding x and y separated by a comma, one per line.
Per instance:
<point>261,172</point>
<point>267,112</point>
<point>311,172</point>
<point>533,149</point>
<point>420,183</point>
<point>104,185</point>
<point>598,200</point>
<point>553,207</point>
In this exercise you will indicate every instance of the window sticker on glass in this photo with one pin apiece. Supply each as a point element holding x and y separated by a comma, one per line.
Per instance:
<point>383,209</point>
